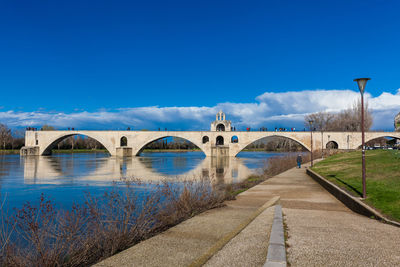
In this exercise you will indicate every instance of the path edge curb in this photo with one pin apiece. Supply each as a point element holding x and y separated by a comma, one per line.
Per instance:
<point>276,256</point>
<point>350,201</point>
<point>225,239</point>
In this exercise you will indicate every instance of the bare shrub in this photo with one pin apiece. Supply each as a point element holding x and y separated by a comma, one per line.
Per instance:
<point>41,235</point>
<point>102,226</point>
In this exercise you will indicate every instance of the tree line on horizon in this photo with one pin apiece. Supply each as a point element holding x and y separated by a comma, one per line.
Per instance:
<point>347,120</point>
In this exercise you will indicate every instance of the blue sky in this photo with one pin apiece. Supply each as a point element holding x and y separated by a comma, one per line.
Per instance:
<point>150,64</point>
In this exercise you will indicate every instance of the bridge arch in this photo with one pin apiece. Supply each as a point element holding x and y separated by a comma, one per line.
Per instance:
<point>220,127</point>
<point>242,146</point>
<point>332,145</point>
<point>219,141</point>
<point>234,139</point>
<point>371,138</point>
<point>123,141</point>
<point>52,142</point>
<point>154,139</point>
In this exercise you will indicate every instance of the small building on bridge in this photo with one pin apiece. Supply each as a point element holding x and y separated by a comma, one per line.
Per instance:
<point>221,124</point>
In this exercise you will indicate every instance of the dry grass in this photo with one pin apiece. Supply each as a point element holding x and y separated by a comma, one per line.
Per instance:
<point>40,235</point>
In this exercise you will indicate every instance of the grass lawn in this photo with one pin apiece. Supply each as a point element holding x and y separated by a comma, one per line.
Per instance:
<point>383,177</point>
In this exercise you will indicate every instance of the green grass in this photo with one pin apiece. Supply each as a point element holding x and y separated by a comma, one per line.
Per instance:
<point>383,177</point>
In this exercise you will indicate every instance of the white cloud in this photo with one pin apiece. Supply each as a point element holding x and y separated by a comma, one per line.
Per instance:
<point>286,109</point>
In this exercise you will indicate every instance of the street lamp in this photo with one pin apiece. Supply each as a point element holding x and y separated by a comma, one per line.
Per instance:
<point>311,123</point>
<point>361,86</point>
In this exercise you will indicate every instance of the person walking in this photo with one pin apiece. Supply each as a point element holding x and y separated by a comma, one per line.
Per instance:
<point>299,161</point>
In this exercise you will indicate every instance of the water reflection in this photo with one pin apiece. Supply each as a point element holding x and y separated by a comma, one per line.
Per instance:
<point>151,167</point>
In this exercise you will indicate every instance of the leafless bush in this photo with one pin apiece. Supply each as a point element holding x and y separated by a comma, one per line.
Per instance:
<point>41,235</point>
<point>102,226</point>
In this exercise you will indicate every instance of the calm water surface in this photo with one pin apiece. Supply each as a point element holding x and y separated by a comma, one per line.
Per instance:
<point>66,177</point>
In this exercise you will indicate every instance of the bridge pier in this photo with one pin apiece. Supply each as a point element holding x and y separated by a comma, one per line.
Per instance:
<point>30,151</point>
<point>219,151</point>
<point>124,151</point>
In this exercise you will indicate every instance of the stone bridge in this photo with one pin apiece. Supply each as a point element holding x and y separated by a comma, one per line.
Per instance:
<point>212,143</point>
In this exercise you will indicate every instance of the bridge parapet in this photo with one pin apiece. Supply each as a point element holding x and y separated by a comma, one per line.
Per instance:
<point>212,143</point>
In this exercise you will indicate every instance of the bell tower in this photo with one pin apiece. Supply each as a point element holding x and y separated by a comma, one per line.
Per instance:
<point>221,124</point>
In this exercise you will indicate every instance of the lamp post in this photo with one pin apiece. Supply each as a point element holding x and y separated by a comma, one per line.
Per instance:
<point>311,123</point>
<point>322,143</point>
<point>361,86</point>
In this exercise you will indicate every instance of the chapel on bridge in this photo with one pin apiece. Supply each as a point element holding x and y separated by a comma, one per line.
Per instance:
<point>221,124</point>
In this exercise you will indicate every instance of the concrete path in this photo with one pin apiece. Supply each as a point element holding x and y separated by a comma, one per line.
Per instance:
<point>322,232</point>
<point>187,243</point>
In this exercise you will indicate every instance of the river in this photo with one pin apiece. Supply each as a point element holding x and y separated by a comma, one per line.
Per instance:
<point>65,178</point>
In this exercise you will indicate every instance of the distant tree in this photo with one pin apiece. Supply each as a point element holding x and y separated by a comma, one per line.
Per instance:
<point>381,141</point>
<point>321,120</point>
<point>5,135</point>
<point>18,139</point>
<point>47,128</point>
<point>397,122</point>
<point>348,120</point>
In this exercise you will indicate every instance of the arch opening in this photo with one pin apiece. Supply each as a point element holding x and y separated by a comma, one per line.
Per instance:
<point>274,143</point>
<point>205,139</point>
<point>73,142</point>
<point>234,139</point>
<point>169,144</point>
<point>219,141</point>
<point>220,128</point>
<point>383,142</point>
<point>332,145</point>
<point>123,141</point>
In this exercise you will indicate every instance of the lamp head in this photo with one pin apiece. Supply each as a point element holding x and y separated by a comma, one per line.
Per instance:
<point>361,83</point>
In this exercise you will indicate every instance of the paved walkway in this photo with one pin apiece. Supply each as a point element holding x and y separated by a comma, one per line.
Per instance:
<point>186,243</point>
<point>322,232</point>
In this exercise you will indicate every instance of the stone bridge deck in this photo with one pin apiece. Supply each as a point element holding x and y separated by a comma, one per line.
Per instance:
<point>229,142</point>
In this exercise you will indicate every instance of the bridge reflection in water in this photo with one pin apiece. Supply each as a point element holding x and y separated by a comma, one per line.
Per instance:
<point>57,170</point>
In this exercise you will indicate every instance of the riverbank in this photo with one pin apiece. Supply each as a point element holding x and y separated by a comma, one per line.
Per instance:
<point>383,180</point>
<point>9,151</point>
<point>320,230</point>
<point>69,151</point>
<point>171,150</point>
